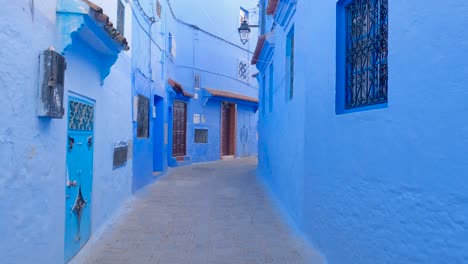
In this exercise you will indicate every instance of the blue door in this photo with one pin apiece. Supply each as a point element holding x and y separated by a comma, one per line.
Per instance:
<point>79,176</point>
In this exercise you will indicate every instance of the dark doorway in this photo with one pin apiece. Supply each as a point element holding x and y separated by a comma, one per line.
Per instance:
<point>179,128</point>
<point>158,134</point>
<point>228,129</point>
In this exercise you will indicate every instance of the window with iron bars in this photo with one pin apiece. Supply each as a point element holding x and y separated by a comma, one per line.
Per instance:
<point>120,17</point>
<point>201,136</point>
<point>158,9</point>
<point>366,70</point>
<point>197,81</point>
<point>290,65</point>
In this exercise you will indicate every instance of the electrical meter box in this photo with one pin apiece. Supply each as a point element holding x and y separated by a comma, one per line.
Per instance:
<point>52,67</point>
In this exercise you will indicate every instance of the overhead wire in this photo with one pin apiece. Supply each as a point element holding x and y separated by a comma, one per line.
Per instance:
<point>141,26</point>
<point>152,20</point>
<point>202,30</point>
<point>216,73</point>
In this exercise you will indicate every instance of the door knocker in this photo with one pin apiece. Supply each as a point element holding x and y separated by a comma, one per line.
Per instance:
<point>90,142</point>
<point>71,142</point>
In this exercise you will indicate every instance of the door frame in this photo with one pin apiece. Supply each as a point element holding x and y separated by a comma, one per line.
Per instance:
<point>72,96</point>
<point>232,129</point>
<point>158,133</point>
<point>185,129</point>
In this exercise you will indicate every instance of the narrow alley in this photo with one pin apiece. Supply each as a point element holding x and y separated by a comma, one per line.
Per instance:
<point>206,213</point>
<point>234,132</point>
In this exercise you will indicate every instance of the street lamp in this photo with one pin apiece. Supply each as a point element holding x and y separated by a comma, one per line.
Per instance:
<point>244,31</point>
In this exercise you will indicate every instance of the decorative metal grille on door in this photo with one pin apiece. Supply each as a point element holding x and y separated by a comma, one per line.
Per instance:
<point>81,116</point>
<point>79,175</point>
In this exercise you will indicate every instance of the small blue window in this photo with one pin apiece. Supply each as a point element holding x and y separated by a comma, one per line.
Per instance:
<point>263,7</point>
<point>120,17</point>
<point>270,89</point>
<point>362,55</point>
<point>263,96</point>
<point>170,42</point>
<point>290,64</point>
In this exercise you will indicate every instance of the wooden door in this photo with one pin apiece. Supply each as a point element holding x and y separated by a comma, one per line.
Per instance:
<point>179,128</point>
<point>225,129</point>
<point>228,129</point>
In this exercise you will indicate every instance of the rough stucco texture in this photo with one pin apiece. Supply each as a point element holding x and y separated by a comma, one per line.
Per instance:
<point>32,218</point>
<point>387,185</point>
<point>247,119</point>
<point>213,60</point>
<point>281,133</point>
<point>33,150</point>
<point>203,152</point>
<point>112,125</point>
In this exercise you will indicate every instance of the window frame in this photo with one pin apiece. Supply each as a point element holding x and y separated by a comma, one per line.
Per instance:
<point>290,64</point>
<point>270,88</point>
<point>143,117</point>
<point>196,81</point>
<point>120,17</point>
<point>263,7</point>
<point>172,44</point>
<point>263,94</point>
<point>341,53</point>
<point>169,42</point>
<point>243,14</point>
<point>158,9</point>
<point>200,135</point>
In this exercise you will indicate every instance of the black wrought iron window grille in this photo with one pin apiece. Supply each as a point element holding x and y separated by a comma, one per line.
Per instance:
<point>366,53</point>
<point>143,116</point>
<point>201,135</point>
<point>120,155</point>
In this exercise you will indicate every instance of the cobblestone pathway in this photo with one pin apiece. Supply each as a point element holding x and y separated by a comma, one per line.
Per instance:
<point>214,213</point>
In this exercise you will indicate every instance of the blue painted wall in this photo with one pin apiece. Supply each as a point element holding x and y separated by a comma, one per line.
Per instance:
<point>378,186</point>
<point>33,150</point>
<point>196,52</point>
<point>148,79</point>
<point>246,136</point>
<point>281,130</point>
<point>216,62</point>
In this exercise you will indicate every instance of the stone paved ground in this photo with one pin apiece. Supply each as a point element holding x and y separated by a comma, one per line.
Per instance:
<point>213,213</point>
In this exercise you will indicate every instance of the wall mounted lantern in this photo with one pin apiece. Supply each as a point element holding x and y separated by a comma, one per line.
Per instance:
<point>244,31</point>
